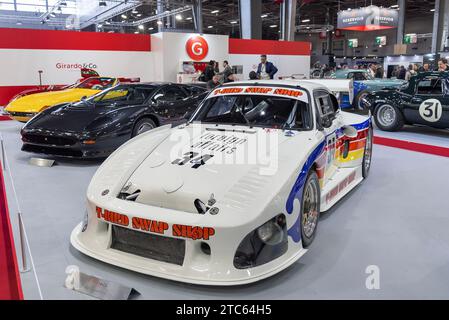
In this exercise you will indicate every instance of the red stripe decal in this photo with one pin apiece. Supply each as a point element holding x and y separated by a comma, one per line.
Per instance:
<point>71,40</point>
<point>412,146</point>
<point>10,286</point>
<point>245,46</point>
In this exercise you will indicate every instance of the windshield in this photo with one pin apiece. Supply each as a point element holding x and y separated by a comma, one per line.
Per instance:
<point>123,95</point>
<point>256,111</point>
<point>96,83</point>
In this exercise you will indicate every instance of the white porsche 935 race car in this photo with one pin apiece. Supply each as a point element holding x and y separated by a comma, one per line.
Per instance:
<point>170,204</point>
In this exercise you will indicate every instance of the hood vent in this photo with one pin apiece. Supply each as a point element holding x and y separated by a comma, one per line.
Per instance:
<point>129,197</point>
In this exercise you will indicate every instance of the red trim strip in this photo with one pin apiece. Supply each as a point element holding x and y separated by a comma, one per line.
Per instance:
<point>412,146</point>
<point>367,28</point>
<point>245,46</point>
<point>71,40</point>
<point>10,285</point>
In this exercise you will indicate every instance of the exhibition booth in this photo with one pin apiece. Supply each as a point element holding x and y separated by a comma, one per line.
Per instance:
<point>43,57</point>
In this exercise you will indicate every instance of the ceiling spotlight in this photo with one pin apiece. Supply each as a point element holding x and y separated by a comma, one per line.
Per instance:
<point>273,26</point>
<point>134,11</point>
<point>178,17</point>
<point>19,23</point>
<point>305,20</point>
<point>233,22</point>
<point>107,22</point>
<point>189,18</point>
<point>215,11</point>
<point>138,15</point>
<point>124,16</point>
<point>136,32</point>
<point>100,25</point>
<point>141,27</point>
<point>150,28</point>
<point>210,27</point>
<point>52,15</point>
<point>264,16</point>
<point>102,4</point>
<point>159,22</point>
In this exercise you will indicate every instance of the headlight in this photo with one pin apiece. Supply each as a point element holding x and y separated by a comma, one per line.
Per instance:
<point>266,243</point>
<point>270,233</point>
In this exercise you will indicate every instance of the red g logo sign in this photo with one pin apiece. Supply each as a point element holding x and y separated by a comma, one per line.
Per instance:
<point>197,48</point>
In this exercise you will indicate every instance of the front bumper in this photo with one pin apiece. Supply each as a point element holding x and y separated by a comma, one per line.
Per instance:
<point>67,144</point>
<point>21,116</point>
<point>215,269</point>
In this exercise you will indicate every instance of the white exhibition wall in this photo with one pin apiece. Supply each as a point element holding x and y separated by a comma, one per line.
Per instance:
<point>63,66</point>
<point>169,50</point>
<point>287,65</point>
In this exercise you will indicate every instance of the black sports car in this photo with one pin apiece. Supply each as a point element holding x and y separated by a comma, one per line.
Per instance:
<point>423,101</point>
<point>95,127</point>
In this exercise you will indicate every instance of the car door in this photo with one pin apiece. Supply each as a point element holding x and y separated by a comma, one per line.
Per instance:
<point>171,103</point>
<point>429,106</point>
<point>330,120</point>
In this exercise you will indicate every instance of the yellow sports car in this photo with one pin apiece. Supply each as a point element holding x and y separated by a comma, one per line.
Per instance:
<point>24,108</point>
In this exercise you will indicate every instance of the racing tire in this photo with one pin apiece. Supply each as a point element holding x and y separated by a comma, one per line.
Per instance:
<point>388,117</point>
<point>368,154</point>
<point>310,209</point>
<point>357,103</point>
<point>142,126</point>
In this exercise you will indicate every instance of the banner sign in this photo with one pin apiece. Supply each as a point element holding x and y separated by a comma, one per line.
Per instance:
<point>368,19</point>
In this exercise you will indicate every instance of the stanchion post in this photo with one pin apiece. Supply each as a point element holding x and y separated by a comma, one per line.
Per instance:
<point>3,155</point>
<point>25,268</point>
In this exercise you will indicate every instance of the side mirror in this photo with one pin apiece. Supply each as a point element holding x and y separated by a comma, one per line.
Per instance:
<point>350,132</point>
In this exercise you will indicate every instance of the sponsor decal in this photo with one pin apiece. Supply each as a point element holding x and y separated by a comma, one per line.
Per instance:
<point>194,233</point>
<point>75,66</point>
<point>288,93</point>
<point>346,182</point>
<point>228,91</point>
<point>155,227</point>
<point>260,90</point>
<point>197,48</point>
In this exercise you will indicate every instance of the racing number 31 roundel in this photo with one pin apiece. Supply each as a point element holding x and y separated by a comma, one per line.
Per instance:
<point>197,48</point>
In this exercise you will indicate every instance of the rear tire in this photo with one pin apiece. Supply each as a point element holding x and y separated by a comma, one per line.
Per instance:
<point>142,126</point>
<point>388,117</point>
<point>310,209</point>
<point>357,104</point>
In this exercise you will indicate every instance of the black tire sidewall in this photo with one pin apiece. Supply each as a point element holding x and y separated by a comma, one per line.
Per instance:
<point>397,125</point>
<point>357,98</point>
<point>311,178</point>
<point>139,123</point>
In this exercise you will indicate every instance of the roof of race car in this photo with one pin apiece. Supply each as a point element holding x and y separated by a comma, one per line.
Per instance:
<point>309,86</point>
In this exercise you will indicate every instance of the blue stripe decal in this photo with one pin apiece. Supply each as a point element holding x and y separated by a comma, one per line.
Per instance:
<point>297,191</point>
<point>362,126</point>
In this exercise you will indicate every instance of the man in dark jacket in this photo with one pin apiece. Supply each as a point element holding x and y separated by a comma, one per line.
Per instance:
<point>402,73</point>
<point>266,70</point>
<point>209,72</point>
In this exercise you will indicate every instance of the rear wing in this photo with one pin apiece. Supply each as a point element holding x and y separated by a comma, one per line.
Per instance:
<point>337,86</point>
<point>129,80</point>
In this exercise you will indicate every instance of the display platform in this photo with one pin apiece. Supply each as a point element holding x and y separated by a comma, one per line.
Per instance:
<point>394,221</point>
